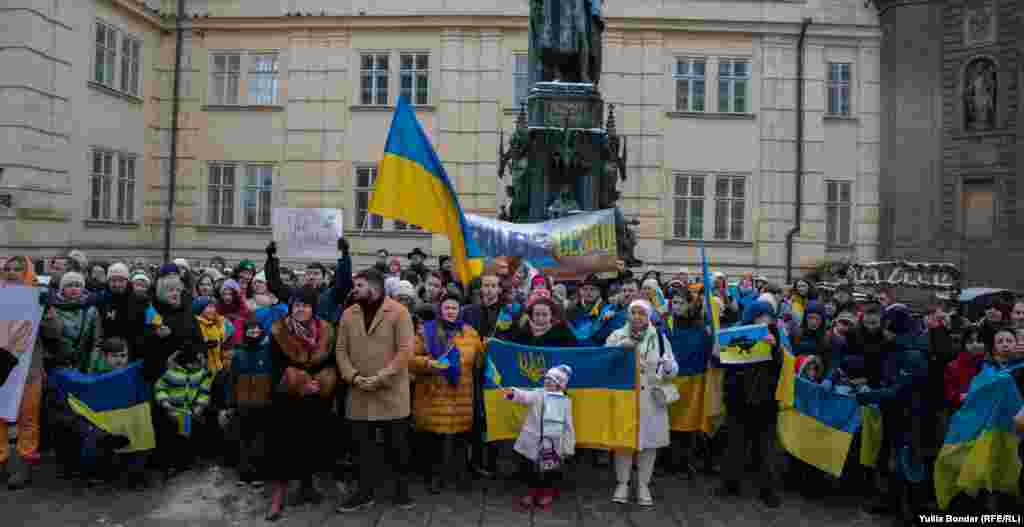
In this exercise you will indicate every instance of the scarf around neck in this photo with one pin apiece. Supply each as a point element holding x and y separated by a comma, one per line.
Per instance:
<point>308,333</point>
<point>444,347</point>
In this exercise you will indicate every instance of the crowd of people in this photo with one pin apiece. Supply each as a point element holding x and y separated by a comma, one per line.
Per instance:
<point>285,376</point>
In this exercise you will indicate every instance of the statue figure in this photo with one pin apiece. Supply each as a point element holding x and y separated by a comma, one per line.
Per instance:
<point>980,95</point>
<point>566,38</point>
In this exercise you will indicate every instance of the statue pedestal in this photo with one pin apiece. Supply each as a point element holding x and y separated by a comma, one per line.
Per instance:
<point>565,105</point>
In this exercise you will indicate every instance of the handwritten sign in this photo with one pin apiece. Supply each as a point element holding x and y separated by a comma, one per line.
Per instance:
<point>308,233</point>
<point>19,325</point>
<point>935,276</point>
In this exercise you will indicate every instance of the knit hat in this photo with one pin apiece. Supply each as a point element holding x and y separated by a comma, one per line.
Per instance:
<point>182,263</point>
<point>199,304</point>
<point>560,375</point>
<point>230,284</point>
<point>756,310</point>
<point>405,288</point>
<point>166,269</point>
<point>118,270</point>
<point>305,295</point>
<point>141,276</point>
<point>246,265</point>
<point>71,277</point>
<point>804,360</point>
<point>898,319</point>
<point>643,304</point>
<point>651,282</point>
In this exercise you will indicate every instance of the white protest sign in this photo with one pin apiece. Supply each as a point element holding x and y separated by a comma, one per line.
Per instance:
<point>308,233</point>
<point>19,325</point>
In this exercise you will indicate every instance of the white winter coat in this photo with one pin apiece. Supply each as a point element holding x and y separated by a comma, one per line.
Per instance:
<point>528,443</point>
<point>654,432</point>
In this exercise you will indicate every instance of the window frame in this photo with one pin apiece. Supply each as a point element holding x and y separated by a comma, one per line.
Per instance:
<point>375,74</point>
<point>833,212</point>
<point>115,200</point>
<point>273,76</point>
<point>690,78</point>
<point>416,73</point>
<point>730,200</point>
<point>689,198</point>
<point>245,76</point>
<point>115,58</point>
<point>994,224</point>
<point>264,211</point>
<point>523,76</point>
<point>239,190</point>
<point>834,90</point>
<point>363,219</point>
<point>221,189</point>
<point>730,80</point>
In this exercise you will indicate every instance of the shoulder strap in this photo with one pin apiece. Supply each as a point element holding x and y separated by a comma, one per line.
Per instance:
<point>661,344</point>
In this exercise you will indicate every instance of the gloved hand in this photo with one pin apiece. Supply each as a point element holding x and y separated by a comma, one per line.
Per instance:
<point>272,249</point>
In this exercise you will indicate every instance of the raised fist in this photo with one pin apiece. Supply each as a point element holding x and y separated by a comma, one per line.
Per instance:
<point>272,249</point>
<point>343,245</point>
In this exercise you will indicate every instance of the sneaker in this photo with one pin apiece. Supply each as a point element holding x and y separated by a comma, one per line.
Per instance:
<point>621,494</point>
<point>770,499</point>
<point>356,503</point>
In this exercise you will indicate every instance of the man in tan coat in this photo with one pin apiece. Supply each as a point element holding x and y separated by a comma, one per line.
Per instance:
<point>375,343</point>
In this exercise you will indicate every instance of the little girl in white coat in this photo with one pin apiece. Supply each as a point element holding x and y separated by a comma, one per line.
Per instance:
<point>547,437</point>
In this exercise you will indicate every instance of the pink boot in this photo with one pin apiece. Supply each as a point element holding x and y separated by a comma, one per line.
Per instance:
<point>546,499</point>
<point>527,502</point>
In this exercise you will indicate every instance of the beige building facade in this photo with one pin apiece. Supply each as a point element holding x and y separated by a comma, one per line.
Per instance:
<point>279,109</point>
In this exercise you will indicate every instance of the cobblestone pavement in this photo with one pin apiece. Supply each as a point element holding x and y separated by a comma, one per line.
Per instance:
<point>210,497</point>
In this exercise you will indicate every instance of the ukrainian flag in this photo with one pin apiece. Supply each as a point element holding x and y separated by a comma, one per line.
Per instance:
<point>603,390</point>
<point>980,450</point>
<point>412,186</point>
<point>117,402</point>
<point>700,387</point>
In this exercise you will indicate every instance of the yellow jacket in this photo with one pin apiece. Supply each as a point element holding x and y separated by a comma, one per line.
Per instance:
<point>439,407</point>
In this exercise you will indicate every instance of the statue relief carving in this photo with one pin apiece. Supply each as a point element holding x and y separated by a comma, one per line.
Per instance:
<point>566,38</point>
<point>979,95</point>
<point>979,22</point>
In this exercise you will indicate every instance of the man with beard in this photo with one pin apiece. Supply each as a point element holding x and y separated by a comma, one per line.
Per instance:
<point>375,343</point>
<point>483,316</point>
<point>122,314</point>
<point>590,314</point>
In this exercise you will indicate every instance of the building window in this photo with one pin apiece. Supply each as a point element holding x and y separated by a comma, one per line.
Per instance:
<point>688,223</point>
<point>106,54</point>
<point>838,212</point>
<point>689,76</point>
<point>112,196</point>
<point>365,177</point>
<point>226,72</point>
<point>414,73</point>
<point>838,88</point>
<point>259,184</point>
<point>131,49</point>
<point>980,90</point>
<point>979,206</point>
<point>730,197</point>
<point>262,80</point>
<point>221,192</point>
<point>733,83</point>
<point>374,79</point>
<point>521,77</point>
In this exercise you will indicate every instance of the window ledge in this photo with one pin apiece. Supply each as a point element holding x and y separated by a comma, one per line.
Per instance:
<point>115,92</point>
<point>709,243</point>
<point>233,229</point>
<point>111,224</point>
<point>511,111</point>
<point>829,248</point>
<point>382,233</point>
<point>242,108</point>
<point>388,108</point>
<point>712,115</point>
<point>838,117</point>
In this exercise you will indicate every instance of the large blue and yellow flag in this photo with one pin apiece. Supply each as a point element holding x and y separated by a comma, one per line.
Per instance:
<point>980,450</point>
<point>117,402</point>
<point>413,186</point>
<point>819,428</point>
<point>603,390</point>
<point>700,387</point>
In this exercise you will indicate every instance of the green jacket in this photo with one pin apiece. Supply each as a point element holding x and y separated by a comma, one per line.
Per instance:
<point>185,388</point>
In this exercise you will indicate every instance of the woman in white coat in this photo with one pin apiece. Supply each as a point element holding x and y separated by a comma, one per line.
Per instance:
<point>657,364</point>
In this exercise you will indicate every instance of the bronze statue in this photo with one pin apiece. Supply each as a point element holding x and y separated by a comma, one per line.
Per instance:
<point>565,37</point>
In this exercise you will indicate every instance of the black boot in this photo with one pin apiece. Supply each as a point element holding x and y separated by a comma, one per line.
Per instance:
<point>308,492</point>
<point>402,499</point>
<point>729,489</point>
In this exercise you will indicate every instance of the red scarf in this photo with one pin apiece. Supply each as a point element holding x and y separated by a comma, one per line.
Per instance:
<point>308,333</point>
